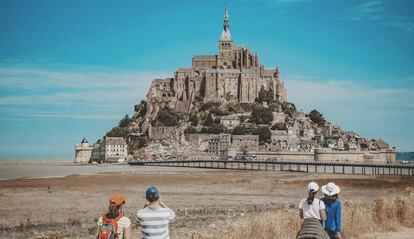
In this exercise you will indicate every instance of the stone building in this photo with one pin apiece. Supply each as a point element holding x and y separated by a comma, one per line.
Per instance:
<point>219,144</point>
<point>249,142</point>
<point>83,152</point>
<point>230,121</point>
<point>233,75</point>
<point>115,149</point>
<point>98,152</point>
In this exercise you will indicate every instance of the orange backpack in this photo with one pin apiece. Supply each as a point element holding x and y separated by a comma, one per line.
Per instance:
<point>109,227</point>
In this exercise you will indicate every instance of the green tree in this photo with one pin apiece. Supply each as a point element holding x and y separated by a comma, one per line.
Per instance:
<point>265,96</point>
<point>288,108</point>
<point>167,117</point>
<point>125,121</point>
<point>261,115</point>
<point>239,130</point>
<point>213,129</point>
<point>118,132</point>
<point>190,130</point>
<point>278,126</point>
<point>193,118</point>
<point>209,121</point>
<point>264,135</point>
<point>142,108</point>
<point>317,118</point>
<point>209,105</point>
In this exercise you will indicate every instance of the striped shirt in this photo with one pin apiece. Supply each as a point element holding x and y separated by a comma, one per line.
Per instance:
<point>154,222</point>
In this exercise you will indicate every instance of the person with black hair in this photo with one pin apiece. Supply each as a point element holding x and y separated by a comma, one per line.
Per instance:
<point>312,207</point>
<point>312,211</point>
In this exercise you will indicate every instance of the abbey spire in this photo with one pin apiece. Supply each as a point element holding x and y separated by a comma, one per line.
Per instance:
<point>225,35</point>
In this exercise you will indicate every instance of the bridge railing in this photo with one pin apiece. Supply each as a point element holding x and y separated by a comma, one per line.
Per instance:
<point>306,166</point>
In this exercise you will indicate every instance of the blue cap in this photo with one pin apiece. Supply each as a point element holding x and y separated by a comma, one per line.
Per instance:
<point>152,192</point>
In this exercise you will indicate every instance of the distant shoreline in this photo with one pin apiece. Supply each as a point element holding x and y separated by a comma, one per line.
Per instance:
<point>31,169</point>
<point>35,159</point>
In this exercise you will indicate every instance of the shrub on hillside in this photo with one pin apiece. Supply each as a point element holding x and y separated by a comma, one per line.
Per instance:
<point>263,132</point>
<point>167,117</point>
<point>209,105</point>
<point>118,132</point>
<point>190,130</point>
<point>209,121</point>
<point>193,119</point>
<point>265,96</point>
<point>214,129</point>
<point>141,108</point>
<point>278,126</point>
<point>261,115</point>
<point>317,118</point>
<point>125,121</point>
<point>288,108</point>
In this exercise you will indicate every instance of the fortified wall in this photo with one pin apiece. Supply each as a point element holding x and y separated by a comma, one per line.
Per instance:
<point>328,155</point>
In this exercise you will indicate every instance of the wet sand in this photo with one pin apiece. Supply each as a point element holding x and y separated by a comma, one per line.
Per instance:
<point>13,169</point>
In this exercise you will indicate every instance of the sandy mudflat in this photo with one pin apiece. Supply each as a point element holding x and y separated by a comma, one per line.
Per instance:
<point>13,169</point>
<point>204,194</point>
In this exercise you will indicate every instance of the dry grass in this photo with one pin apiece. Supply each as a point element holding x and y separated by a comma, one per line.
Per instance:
<point>357,220</point>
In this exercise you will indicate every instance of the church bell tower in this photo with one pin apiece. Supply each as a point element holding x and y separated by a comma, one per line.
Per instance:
<point>226,43</point>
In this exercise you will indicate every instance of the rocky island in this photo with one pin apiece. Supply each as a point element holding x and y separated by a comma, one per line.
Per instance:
<point>228,106</point>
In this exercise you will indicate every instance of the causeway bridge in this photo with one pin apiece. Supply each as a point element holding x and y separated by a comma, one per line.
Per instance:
<point>297,166</point>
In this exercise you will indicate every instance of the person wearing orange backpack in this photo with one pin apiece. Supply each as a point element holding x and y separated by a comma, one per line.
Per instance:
<point>113,224</point>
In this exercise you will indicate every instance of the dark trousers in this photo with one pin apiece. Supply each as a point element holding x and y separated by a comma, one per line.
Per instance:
<point>332,235</point>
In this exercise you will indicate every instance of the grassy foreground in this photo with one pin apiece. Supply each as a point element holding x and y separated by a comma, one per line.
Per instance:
<point>357,220</point>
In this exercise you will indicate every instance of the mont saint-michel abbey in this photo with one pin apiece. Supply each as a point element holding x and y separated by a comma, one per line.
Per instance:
<point>233,75</point>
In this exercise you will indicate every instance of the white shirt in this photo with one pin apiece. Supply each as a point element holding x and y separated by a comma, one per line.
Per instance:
<point>312,210</point>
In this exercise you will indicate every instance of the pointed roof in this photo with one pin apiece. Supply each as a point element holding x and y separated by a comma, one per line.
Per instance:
<point>84,140</point>
<point>225,35</point>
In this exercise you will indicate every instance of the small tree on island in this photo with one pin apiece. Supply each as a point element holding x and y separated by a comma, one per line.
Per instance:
<point>125,121</point>
<point>167,117</point>
<point>209,121</point>
<point>317,118</point>
<point>261,115</point>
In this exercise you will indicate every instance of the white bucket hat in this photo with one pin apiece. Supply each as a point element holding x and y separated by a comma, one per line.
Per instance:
<point>313,187</point>
<point>331,189</point>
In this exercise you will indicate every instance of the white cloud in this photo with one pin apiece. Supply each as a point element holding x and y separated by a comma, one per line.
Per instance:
<point>369,110</point>
<point>70,93</point>
<point>377,11</point>
<point>32,78</point>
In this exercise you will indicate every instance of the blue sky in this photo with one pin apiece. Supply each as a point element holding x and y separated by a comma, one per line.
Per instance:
<point>70,69</point>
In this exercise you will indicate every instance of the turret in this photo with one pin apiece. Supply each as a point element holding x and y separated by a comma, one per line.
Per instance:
<point>277,73</point>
